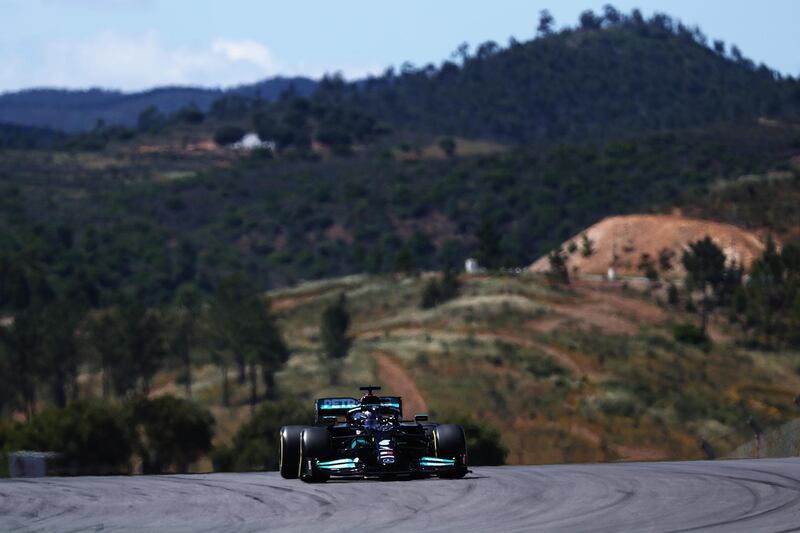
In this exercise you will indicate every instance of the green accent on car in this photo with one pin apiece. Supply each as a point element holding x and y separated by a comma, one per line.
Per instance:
<point>338,464</point>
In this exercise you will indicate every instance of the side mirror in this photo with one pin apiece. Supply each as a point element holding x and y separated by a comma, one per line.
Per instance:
<point>420,418</point>
<point>327,419</point>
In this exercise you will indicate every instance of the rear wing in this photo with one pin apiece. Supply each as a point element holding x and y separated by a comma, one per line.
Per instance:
<point>340,406</point>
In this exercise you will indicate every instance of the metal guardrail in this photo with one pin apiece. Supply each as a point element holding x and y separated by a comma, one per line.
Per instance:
<point>29,463</point>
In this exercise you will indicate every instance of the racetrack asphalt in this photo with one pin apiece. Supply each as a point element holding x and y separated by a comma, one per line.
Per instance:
<point>747,495</point>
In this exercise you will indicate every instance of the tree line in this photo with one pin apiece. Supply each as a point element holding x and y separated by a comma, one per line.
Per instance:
<point>91,436</point>
<point>763,301</point>
<point>47,345</point>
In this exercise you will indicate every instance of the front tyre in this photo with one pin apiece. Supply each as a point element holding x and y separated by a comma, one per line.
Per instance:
<point>450,442</point>
<point>315,445</point>
<point>290,451</point>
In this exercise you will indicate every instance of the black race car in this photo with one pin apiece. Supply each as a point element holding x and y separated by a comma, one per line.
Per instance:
<point>369,438</point>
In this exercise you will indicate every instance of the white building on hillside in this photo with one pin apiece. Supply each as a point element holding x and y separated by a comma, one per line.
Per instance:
<point>252,141</point>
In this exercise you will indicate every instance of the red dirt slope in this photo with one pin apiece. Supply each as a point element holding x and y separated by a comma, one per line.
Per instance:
<point>621,241</point>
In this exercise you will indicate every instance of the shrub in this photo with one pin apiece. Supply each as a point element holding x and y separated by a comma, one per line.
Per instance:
<point>558,273</point>
<point>673,297</point>
<point>90,437</point>
<point>484,444</point>
<point>544,366</point>
<point>6,430</point>
<point>191,115</point>
<point>448,146</point>
<point>691,334</point>
<point>172,432</point>
<point>437,292</point>
<point>255,446</point>
<point>227,135</point>
<point>430,294</point>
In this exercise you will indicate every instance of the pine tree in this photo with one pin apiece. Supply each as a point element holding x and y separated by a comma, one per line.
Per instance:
<point>184,317</point>
<point>587,247</point>
<point>546,21</point>
<point>704,262</point>
<point>558,273</point>
<point>243,326</point>
<point>333,332</point>
<point>431,294</point>
<point>489,254</point>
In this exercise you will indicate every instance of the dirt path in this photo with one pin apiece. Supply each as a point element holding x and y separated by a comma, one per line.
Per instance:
<point>395,380</point>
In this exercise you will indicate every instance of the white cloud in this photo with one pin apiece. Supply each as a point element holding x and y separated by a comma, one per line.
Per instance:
<point>138,62</point>
<point>131,63</point>
<point>247,51</point>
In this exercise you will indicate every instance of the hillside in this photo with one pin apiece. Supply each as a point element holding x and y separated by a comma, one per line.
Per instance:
<point>75,111</point>
<point>123,248</point>
<point>623,242</point>
<point>758,202</point>
<point>612,74</point>
<point>155,202</point>
<point>587,374</point>
<point>358,183</point>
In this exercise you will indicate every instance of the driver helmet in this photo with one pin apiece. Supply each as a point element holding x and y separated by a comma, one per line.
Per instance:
<point>370,400</point>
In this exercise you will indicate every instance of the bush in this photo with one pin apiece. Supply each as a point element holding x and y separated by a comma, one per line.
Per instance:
<point>448,146</point>
<point>691,334</point>
<point>484,444</point>
<point>191,115</point>
<point>438,292</point>
<point>255,446</point>
<point>227,135</point>
<point>430,294</point>
<point>172,432</point>
<point>6,431</point>
<point>557,273</point>
<point>673,297</point>
<point>543,366</point>
<point>90,437</point>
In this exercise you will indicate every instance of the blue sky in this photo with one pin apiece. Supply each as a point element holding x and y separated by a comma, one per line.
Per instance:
<point>137,44</point>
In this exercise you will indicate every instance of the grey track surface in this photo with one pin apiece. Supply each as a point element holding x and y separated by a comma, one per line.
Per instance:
<point>747,495</point>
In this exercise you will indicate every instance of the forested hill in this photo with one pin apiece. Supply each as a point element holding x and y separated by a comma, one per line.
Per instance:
<point>612,73</point>
<point>74,111</point>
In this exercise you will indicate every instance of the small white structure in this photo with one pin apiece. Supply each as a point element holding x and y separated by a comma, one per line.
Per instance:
<point>612,273</point>
<point>251,141</point>
<point>471,266</point>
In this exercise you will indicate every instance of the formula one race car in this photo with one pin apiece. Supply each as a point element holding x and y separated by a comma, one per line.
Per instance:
<point>369,438</point>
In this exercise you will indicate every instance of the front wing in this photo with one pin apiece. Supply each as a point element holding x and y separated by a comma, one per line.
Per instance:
<point>354,467</point>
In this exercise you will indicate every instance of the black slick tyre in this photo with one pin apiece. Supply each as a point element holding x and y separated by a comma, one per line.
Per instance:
<point>315,445</point>
<point>290,451</point>
<point>450,443</point>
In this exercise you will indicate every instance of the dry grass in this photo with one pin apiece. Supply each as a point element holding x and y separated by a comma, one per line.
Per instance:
<point>578,390</point>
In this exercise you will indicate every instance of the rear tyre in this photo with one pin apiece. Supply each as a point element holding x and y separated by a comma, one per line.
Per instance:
<point>290,451</point>
<point>450,443</point>
<point>315,445</point>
